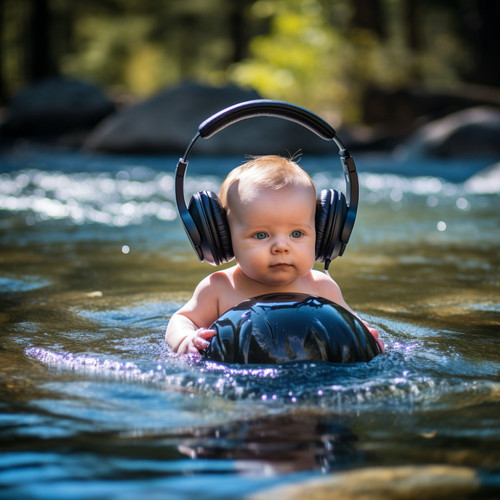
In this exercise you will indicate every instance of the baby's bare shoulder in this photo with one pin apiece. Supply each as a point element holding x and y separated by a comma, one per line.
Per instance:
<point>217,282</point>
<point>320,277</point>
<point>326,286</point>
<point>204,306</point>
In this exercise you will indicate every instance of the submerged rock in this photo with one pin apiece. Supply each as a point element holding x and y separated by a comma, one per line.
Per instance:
<point>385,483</point>
<point>470,133</point>
<point>167,122</point>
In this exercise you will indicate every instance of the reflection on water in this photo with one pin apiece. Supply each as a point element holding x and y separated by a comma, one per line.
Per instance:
<point>93,405</point>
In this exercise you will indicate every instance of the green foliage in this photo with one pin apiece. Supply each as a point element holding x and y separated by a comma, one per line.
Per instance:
<point>120,54</point>
<point>141,52</point>
<point>310,52</point>
<point>307,59</point>
<point>299,60</point>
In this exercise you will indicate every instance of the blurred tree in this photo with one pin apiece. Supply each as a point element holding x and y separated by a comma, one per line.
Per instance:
<point>138,45</point>
<point>314,52</point>
<point>239,28</point>
<point>3,93</point>
<point>411,23</point>
<point>328,54</point>
<point>479,22</point>
<point>297,60</point>
<point>369,15</point>
<point>39,56</point>
<point>143,46</point>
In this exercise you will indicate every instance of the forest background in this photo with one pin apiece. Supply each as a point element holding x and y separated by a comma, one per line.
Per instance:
<point>331,56</point>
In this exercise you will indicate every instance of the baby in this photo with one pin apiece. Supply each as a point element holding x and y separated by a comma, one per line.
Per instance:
<point>270,204</point>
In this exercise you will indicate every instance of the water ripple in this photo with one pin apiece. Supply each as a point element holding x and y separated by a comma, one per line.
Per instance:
<point>381,383</point>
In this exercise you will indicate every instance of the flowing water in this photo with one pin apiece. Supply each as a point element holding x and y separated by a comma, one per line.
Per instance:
<point>93,262</point>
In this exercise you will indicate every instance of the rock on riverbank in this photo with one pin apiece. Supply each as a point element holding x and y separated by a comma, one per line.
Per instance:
<point>55,110</point>
<point>166,123</point>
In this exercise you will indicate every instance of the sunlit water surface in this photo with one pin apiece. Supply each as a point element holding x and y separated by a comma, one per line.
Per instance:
<point>93,405</point>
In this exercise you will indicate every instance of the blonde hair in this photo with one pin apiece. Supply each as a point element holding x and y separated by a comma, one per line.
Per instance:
<point>274,172</point>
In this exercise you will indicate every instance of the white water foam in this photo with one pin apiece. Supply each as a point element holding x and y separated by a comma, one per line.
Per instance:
<point>339,388</point>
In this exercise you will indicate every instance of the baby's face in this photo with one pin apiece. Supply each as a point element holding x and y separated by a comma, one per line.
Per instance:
<point>273,232</point>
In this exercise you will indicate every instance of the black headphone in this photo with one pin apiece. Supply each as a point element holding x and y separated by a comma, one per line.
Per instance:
<point>205,219</point>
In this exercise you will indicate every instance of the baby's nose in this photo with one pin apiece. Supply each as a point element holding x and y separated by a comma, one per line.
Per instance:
<point>280,245</point>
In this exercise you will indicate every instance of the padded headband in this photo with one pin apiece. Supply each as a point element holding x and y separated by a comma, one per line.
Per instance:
<point>263,107</point>
<point>277,109</point>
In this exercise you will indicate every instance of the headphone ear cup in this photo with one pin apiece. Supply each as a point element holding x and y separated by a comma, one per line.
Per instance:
<point>323,221</point>
<point>210,219</point>
<point>331,211</point>
<point>221,224</point>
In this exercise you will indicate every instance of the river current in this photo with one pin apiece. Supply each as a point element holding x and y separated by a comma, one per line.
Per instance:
<point>93,261</point>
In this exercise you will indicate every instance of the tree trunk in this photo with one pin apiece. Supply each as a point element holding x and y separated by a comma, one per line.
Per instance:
<point>480,21</point>
<point>3,91</point>
<point>369,14</point>
<point>39,61</point>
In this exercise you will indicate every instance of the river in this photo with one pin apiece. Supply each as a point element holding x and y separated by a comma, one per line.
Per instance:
<point>93,261</point>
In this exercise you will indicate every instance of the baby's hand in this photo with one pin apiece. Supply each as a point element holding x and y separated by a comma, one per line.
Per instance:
<point>374,332</point>
<point>200,340</point>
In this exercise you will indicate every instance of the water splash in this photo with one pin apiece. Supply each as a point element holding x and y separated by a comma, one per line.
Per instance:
<point>342,389</point>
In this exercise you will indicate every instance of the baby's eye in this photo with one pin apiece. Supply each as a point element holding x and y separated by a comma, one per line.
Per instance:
<point>296,234</point>
<point>260,235</point>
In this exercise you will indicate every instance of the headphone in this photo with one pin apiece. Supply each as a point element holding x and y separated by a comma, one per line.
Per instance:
<point>205,219</point>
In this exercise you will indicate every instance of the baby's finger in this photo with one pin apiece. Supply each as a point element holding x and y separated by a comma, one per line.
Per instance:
<point>200,343</point>
<point>205,333</point>
<point>381,344</point>
<point>193,350</point>
<point>375,335</point>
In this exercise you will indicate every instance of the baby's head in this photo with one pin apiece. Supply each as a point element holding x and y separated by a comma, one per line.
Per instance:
<point>270,204</point>
<point>264,172</point>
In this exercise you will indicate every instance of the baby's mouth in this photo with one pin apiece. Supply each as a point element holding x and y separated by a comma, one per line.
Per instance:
<point>281,265</point>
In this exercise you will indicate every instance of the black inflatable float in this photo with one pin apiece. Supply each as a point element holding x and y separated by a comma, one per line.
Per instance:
<point>280,327</point>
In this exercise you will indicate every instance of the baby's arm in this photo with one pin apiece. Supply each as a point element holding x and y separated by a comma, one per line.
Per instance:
<point>184,337</point>
<point>187,330</point>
